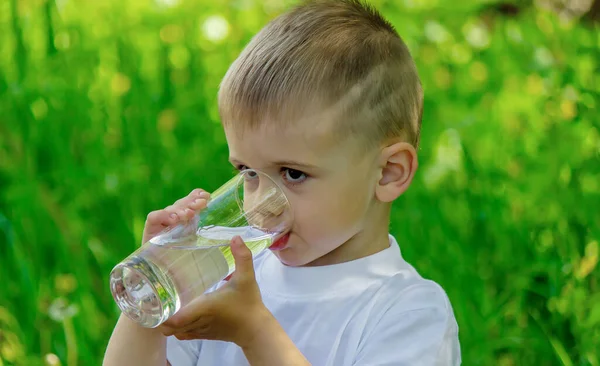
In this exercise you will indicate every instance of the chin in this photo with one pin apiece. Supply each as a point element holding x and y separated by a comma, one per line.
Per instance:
<point>286,259</point>
<point>289,258</point>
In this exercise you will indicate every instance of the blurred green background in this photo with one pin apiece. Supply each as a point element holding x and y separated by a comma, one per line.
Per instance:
<point>108,111</point>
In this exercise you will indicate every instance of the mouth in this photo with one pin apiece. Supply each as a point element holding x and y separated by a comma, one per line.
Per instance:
<point>280,243</point>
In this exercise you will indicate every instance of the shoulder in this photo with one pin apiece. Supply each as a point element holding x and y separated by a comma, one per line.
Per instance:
<point>403,296</point>
<point>415,294</point>
<point>408,295</point>
<point>406,290</point>
<point>412,323</point>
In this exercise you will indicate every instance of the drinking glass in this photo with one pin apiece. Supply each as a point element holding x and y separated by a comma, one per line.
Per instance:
<point>184,261</point>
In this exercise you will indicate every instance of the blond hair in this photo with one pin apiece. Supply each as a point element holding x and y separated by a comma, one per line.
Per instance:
<point>331,53</point>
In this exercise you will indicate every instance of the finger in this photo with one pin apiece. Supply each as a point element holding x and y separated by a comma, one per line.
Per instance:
<point>197,192</point>
<point>171,220</point>
<point>242,256</point>
<point>185,214</point>
<point>198,204</point>
<point>188,317</point>
<point>159,217</point>
<point>181,213</point>
<point>193,195</point>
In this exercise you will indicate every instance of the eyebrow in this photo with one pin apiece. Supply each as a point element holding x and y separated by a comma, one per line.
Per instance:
<point>280,163</point>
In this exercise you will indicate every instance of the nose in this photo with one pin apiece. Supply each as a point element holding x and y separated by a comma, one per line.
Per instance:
<point>265,206</point>
<point>271,203</point>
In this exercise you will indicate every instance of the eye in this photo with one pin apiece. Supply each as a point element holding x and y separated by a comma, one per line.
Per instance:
<point>294,176</point>
<point>249,174</point>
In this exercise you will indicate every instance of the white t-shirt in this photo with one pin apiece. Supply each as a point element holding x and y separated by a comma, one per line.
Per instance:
<point>375,310</point>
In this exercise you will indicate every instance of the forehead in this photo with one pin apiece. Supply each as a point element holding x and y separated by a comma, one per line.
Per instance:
<point>310,139</point>
<point>268,141</point>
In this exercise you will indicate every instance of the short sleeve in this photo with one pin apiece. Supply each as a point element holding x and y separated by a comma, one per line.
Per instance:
<point>422,336</point>
<point>182,353</point>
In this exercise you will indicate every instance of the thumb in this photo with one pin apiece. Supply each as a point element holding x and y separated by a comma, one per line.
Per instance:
<point>242,257</point>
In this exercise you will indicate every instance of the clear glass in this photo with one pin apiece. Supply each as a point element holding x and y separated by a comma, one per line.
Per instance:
<point>182,262</point>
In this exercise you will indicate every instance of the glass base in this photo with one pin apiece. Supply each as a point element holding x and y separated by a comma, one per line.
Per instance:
<point>142,294</point>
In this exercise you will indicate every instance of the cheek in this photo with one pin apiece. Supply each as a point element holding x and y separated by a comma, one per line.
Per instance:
<point>350,208</point>
<point>349,199</point>
<point>326,216</point>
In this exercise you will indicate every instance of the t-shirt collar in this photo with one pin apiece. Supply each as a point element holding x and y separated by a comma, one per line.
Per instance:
<point>277,279</point>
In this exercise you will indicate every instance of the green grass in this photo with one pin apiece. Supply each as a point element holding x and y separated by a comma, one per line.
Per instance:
<point>108,111</point>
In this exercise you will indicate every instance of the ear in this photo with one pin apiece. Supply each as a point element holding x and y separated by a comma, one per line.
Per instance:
<point>398,164</point>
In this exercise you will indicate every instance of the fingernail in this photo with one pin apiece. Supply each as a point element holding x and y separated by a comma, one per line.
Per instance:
<point>197,201</point>
<point>173,216</point>
<point>204,194</point>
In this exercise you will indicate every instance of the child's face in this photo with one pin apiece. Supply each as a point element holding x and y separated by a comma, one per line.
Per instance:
<point>330,188</point>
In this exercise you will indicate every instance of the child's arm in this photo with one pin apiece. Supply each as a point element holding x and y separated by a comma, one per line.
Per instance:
<point>131,344</point>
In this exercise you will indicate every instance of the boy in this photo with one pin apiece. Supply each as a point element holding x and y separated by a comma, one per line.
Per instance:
<point>326,99</point>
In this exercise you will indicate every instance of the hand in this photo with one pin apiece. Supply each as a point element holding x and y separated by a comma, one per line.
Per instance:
<point>182,210</point>
<point>232,313</point>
